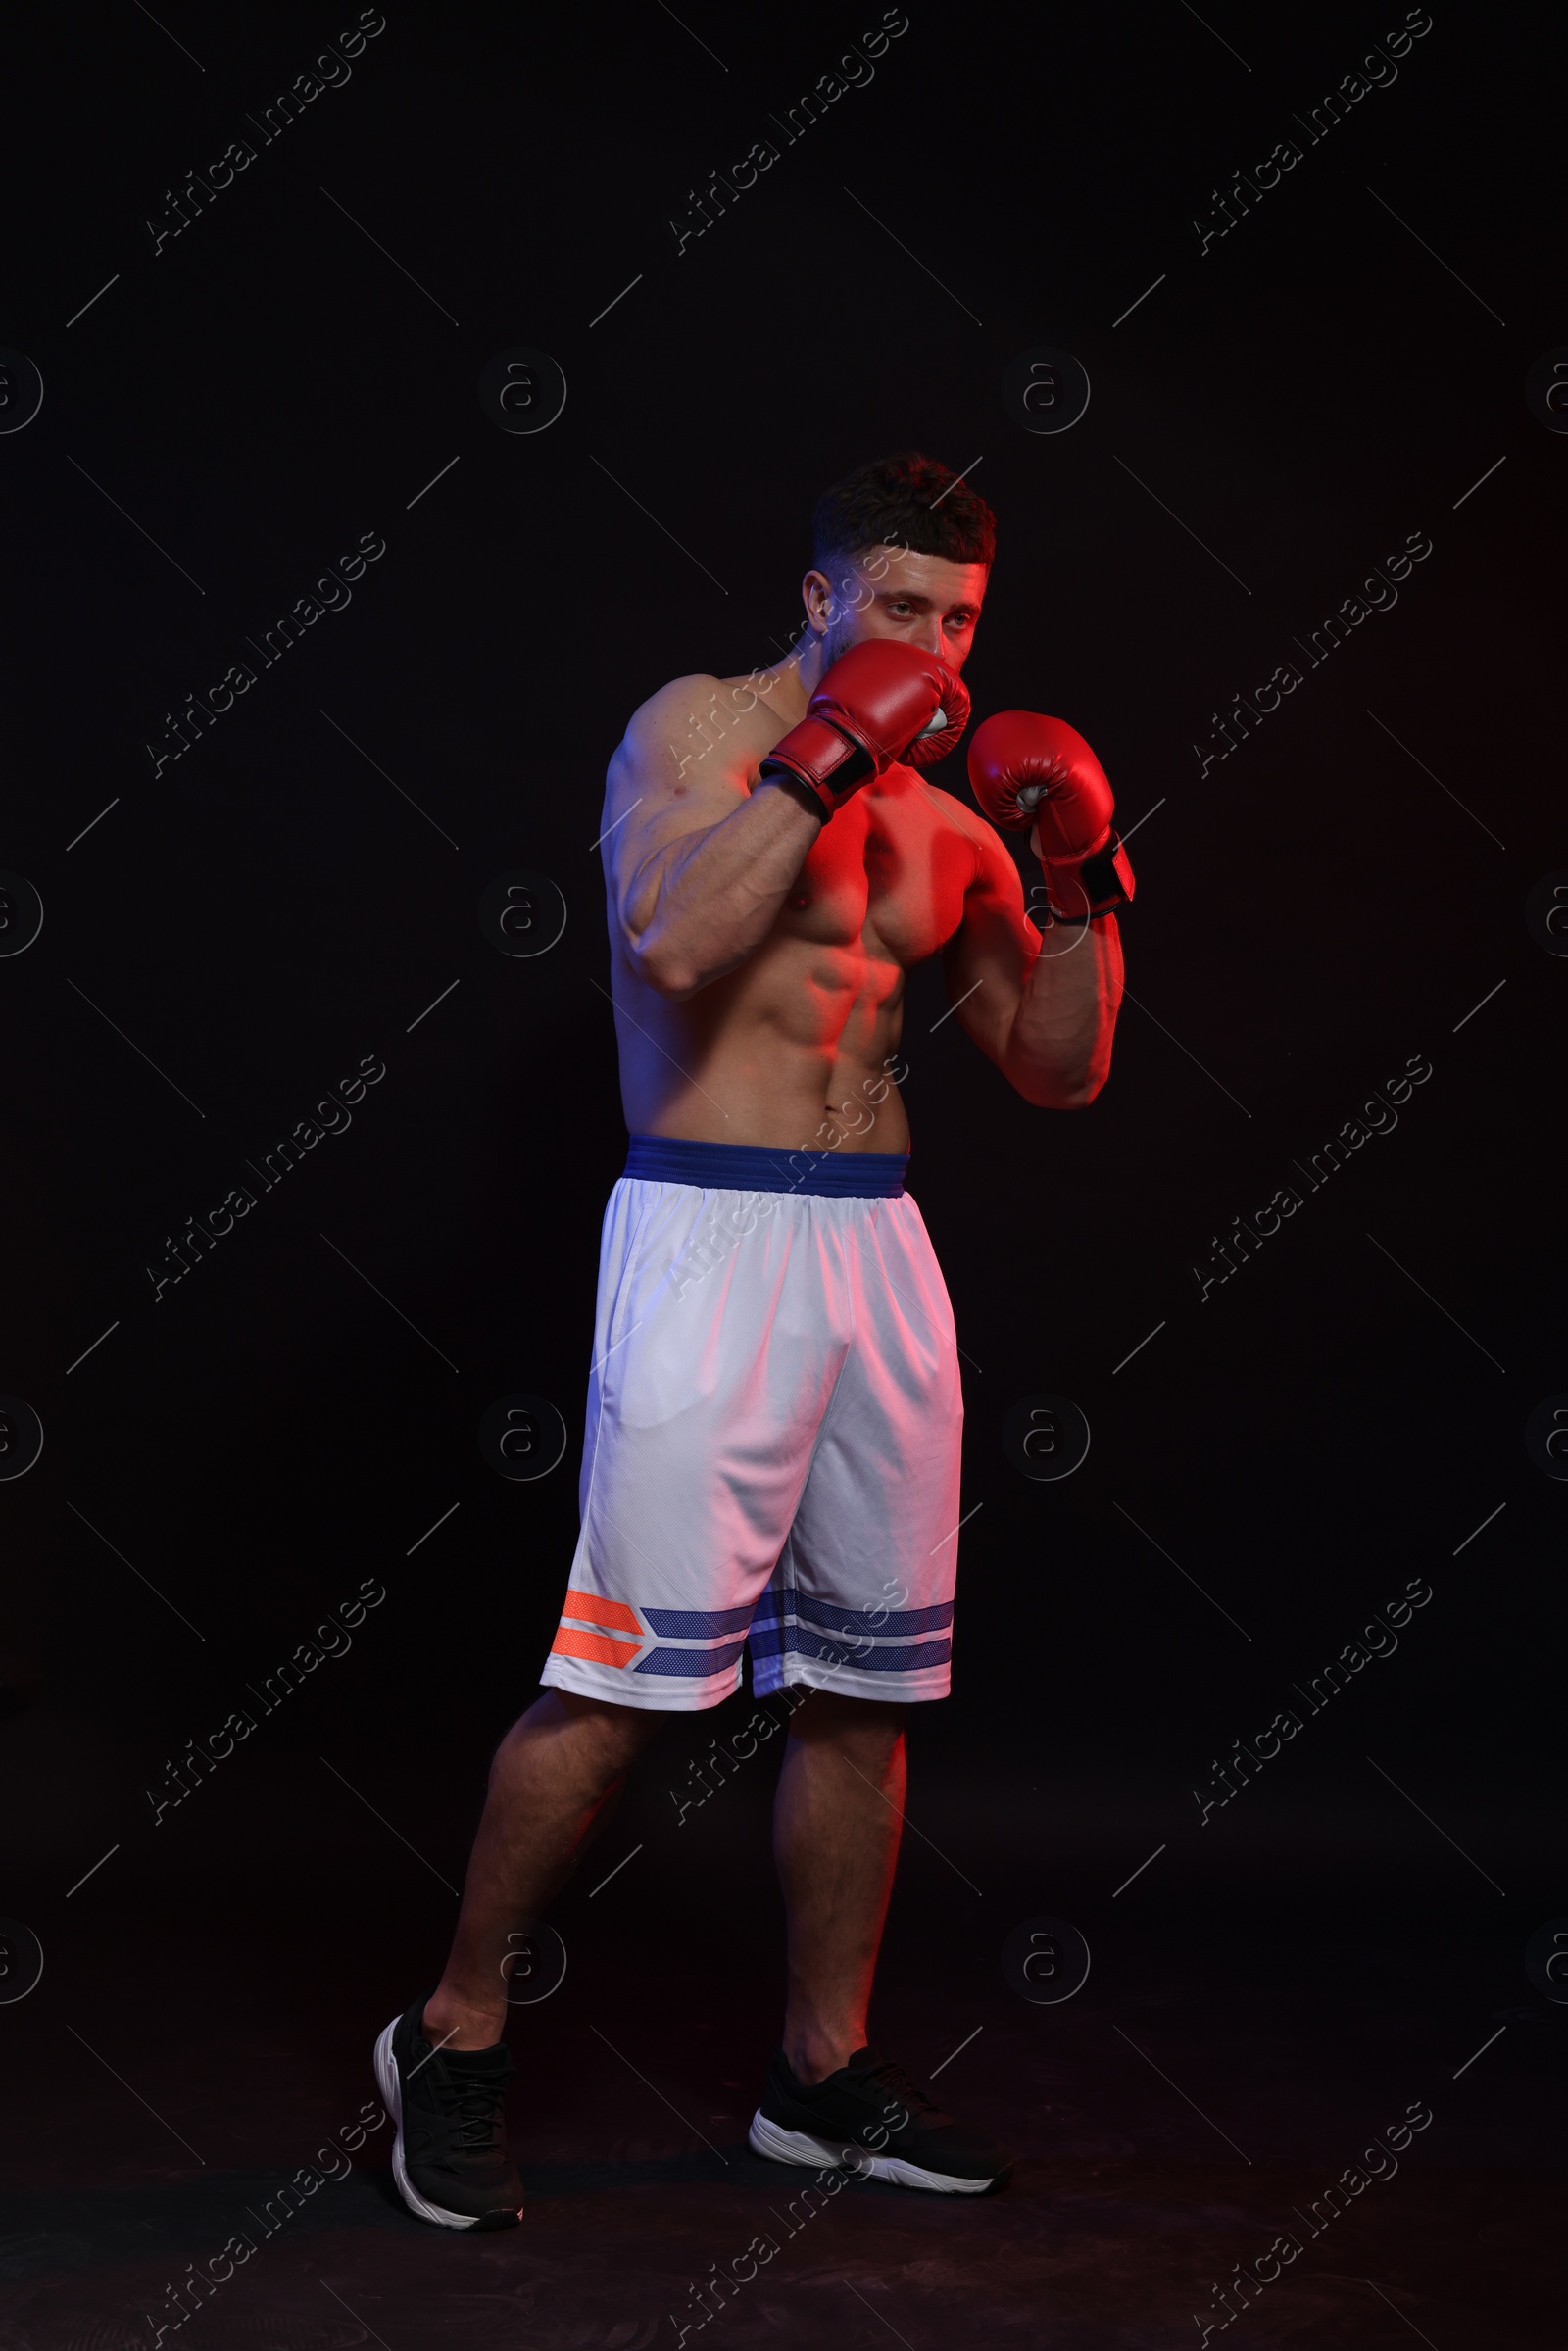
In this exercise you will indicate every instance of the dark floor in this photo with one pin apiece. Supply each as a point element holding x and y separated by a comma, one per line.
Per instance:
<point>1255,2017</point>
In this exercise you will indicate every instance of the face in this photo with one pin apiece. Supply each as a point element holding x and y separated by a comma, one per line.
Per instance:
<point>891,591</point>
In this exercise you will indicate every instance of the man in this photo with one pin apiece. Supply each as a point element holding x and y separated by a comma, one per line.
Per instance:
<point>774,1408</point>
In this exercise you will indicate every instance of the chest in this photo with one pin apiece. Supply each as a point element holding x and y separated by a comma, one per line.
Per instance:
<point>891,868</point>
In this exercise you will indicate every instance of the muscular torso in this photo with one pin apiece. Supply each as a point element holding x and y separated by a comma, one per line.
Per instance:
<point>790,1047</point>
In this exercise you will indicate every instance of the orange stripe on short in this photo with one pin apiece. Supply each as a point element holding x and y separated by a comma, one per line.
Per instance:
<point>614,1613</point>
<point>596,1647</point>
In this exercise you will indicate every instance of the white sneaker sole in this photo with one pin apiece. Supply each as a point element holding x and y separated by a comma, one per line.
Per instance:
<point>825,2154</point>
<point>391,2089</point>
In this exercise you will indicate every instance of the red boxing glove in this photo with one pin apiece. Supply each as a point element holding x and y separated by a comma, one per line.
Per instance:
<point>1028,771</point>
<point>881,702</point>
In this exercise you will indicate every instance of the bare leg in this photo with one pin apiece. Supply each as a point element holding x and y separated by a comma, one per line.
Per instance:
<point>554,1778</point>
<point>837,1819</point>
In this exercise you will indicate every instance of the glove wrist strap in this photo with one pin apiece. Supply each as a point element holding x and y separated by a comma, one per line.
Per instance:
<point>1091,884</point>
<point>829,763</point>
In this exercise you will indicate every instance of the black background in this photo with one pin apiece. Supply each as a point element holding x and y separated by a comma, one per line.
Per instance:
<point>1337,1419</point>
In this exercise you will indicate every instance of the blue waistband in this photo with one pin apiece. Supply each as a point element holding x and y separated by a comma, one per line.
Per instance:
<point>762,1167</point>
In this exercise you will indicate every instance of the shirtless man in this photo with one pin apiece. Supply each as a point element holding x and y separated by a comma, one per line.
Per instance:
<point>774,1409</point>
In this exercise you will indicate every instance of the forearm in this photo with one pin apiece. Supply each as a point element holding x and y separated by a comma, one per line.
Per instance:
<point>715,895</point>
<point>1057,1052</point>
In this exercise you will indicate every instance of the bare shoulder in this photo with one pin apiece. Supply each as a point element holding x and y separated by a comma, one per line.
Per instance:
<point>701,737</point>
<point>672,708</point>
<point>662,759</point>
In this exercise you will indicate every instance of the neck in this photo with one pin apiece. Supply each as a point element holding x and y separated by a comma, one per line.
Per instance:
<point>788,686</point>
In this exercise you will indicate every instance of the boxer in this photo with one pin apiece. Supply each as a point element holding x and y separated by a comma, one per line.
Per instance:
<point>774,1408</point>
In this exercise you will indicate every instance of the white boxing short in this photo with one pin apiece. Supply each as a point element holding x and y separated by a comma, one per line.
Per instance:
<point>773,1446</point>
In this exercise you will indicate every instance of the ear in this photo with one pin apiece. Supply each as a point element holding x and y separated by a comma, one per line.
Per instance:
<point>817,593</point>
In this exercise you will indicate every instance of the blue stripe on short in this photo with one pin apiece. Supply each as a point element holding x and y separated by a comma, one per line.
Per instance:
<point>776,1605</point>
<point>696,1624</point>
<point>691,1665</point>
<point>761,1168</point>
<point>800,1642</point>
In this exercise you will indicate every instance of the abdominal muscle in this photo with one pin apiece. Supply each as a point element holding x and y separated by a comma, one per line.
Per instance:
<point>790,1051</point>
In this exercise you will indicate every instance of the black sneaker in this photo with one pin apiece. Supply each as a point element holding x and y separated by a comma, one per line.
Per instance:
<point>450,2159</point>
<point>871,2119</point>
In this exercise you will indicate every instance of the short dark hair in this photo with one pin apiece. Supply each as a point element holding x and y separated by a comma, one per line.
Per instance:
<point>906,500</point>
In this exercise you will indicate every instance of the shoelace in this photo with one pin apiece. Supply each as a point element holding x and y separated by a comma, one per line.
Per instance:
<point>892,2078</point>
<point>474,2106</point>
